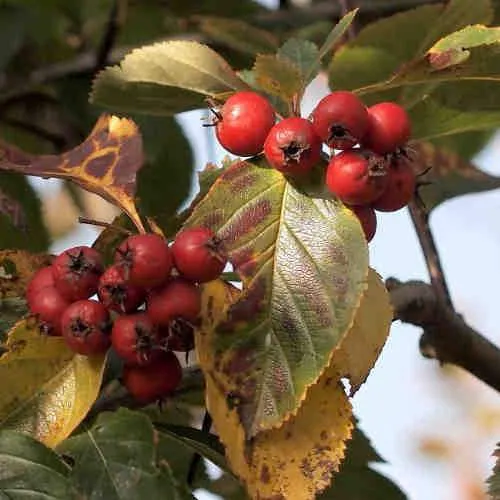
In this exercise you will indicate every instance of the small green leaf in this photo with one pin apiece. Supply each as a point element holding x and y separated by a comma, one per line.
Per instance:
<point>449,175</point>
<point>238,34</point>
<point>116,460</point>
<point>30,471</point>
<point>165,78</point>
<point>303,54</point>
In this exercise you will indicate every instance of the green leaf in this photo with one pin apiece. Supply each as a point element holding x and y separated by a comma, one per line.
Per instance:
<point>238,35</point>
<point>303,261</point>
<point>30,471</point>
<point>116,459</point>
<point>303,54</point>
<point>356,480</point>
<point>449,175</point>
<point>165,78</point>
<point>494,479</point>
<point>165,180</point>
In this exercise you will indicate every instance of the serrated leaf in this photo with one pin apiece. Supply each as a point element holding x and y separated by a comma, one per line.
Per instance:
<point>106,163</point>
<point>298,459</point>
<point>165,78</point>
<point>116,460</point>
<point>30,471</point>
<point>277,76</point>
<point>449,175</point>
<point>238,34</point>
<point>50,389</point>
<point>303,54</point>
<point>303,261</point>
<point>494,479</point>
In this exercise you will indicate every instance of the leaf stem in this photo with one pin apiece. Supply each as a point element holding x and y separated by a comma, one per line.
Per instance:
<point>107,225</point>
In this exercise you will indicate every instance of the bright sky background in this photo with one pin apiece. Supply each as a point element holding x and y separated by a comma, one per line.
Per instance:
<point>407,397</point>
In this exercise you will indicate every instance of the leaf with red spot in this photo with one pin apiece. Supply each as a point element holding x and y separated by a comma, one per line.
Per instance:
<point>106,163</point>
<point>303,261</point>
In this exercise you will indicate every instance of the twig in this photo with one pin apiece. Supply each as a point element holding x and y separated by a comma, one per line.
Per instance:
<point>447,336</point>
<point>110,34</point>
<point>107,225</point>
<point>345,7</point>
<point>420,220</point>
<point>58,141</point>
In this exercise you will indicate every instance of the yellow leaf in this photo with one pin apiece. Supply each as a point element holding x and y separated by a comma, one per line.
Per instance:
<point>47,389</point>
<point>361,346</point>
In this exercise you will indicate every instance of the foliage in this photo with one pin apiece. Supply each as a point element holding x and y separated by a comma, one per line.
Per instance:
<point>310,313</point>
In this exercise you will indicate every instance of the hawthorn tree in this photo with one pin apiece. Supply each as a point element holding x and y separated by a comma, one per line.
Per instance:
<point>300,310</point>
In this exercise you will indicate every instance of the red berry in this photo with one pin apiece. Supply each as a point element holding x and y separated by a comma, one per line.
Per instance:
<point>150,383</point>
<point>49,305</point>
<point>197,255</point>
<point>76,272</point>
<point>292,146</point>
<point>179,298</point>
<point>367,218</point>
<point>116,293</point>
<point>340,119</point>
<point>146,259</point>
<point>245,120</point>
<point>389,128</point>
<point>41,279</point>
<point>400,187</point>
<point>355,177</point>
<point>85,327</point>
<point>135,339</point>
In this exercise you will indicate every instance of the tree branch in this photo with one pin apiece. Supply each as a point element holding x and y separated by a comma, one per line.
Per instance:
<point>110,34</point>
<point>447,337</point>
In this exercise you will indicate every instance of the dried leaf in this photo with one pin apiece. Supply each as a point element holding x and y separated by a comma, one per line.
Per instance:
<point>106,163</point>
<point>50,389</point>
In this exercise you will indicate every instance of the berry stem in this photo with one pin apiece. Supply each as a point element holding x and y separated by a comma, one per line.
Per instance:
<point>420,219</point>
<point>107,225</point>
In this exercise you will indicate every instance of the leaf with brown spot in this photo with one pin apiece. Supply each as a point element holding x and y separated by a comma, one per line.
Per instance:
<point>449,175</point>
<point>362,345</point>
<point>106,163</point>
<point>303,261</point>
<point>298,459</point>
<point>50,388</point>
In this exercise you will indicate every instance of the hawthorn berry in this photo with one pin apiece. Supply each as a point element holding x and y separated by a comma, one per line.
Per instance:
<point>292,146</point>
<point>116,294</point>
<point>41,279</point>
<point>48,305</point>
<point>389,128</point>
<point>146,260</point>
<point>244,122</point>
<point>197,254</point>
<point>85,327</point>
<point>76,272</point>
<point>179,298</point>
<point>136,339</point>
<point>400,186</point>
<point>340,119</point>
<point>155,381</point>
<point>356,177</point>
<point>367,218</point>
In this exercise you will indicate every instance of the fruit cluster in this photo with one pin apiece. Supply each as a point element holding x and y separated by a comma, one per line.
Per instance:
<point>369,168</point>
<point>148,303</point>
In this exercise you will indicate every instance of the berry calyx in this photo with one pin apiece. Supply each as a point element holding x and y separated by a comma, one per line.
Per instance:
<point>292,146</point>
<point>135,339</point>
<point>367,218</point>
<point>48,305</point>
<point>356,177</point>
<point>76,272</point>
<point>400,186</point>
<point>116,294</point>
<point>85,327</point>
<point>179,298</point>
<point>41,279</point>
<point>244,122</point>
<point>389,128</point>
<point>146,260</point>
<point>156,381</point>
<point>340,119</point>
<point>197,254</point>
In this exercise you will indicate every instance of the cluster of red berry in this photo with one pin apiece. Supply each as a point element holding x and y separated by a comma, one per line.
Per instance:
<point>369,168</point>
<point>149,303</point>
